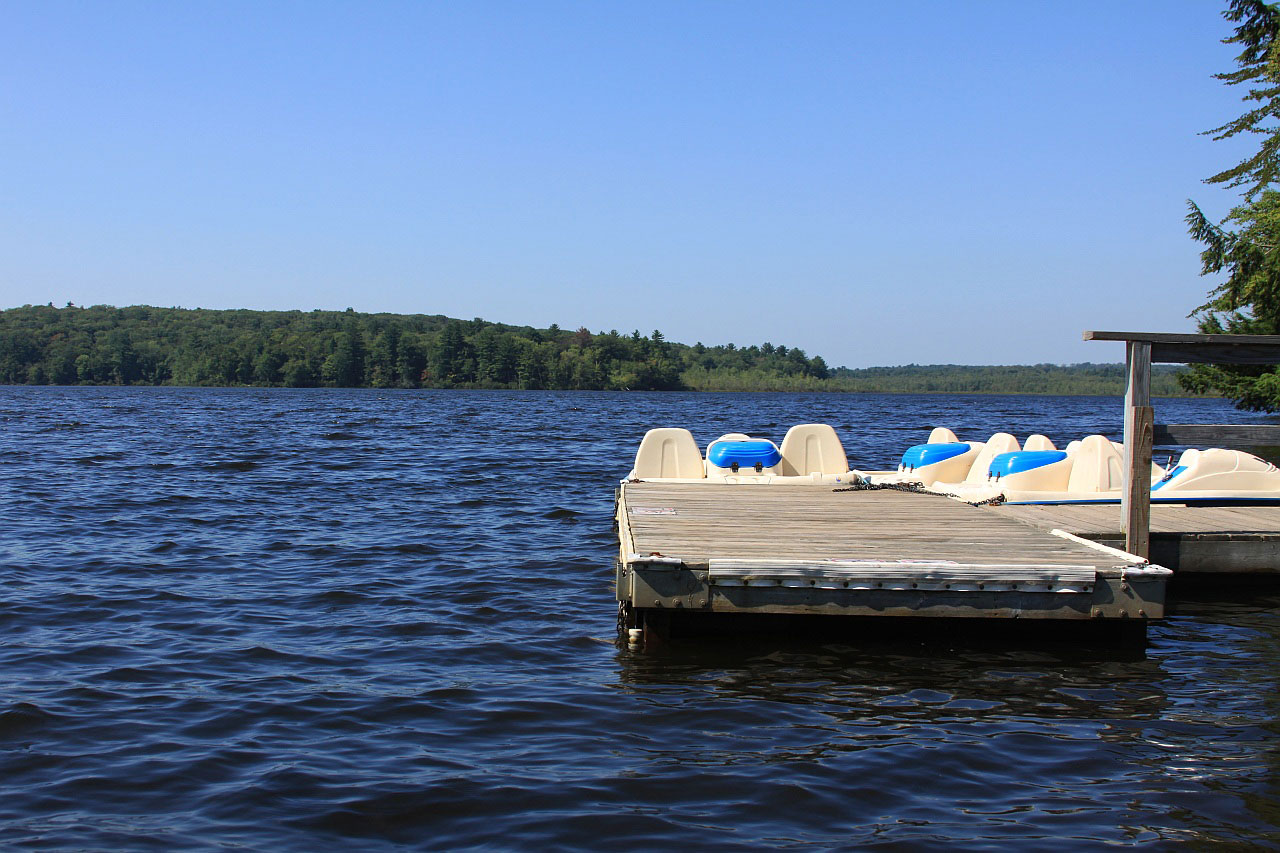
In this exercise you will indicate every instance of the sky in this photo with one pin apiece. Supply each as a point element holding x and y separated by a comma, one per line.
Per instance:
<point>877,183</point>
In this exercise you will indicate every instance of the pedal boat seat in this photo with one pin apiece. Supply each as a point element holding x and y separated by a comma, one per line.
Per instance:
<point>812,449</point>
<point>668,453</point>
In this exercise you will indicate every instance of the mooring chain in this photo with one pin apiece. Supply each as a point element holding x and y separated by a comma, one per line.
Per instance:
<point>878,487</point>
<point>916,488</point>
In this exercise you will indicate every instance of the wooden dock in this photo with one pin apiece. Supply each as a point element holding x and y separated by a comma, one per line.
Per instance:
<point>801,549</point>
<point>1142,433</point>
<point>1191,540</point>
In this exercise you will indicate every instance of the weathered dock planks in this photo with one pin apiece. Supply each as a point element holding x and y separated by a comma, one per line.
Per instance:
<point>814,550</point>
<point>1191,540</point>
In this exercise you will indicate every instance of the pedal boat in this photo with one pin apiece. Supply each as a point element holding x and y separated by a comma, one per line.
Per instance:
<point>1087,471</point>
<point>810,453</point>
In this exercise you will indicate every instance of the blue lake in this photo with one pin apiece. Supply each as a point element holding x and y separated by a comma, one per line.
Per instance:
<point>301,619</point>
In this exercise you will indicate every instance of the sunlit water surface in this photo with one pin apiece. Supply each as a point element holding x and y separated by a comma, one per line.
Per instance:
<point>281,619</point>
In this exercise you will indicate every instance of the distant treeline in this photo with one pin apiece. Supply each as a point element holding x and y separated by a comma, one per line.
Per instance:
<point>140,345</point>
<point>1005,379</point>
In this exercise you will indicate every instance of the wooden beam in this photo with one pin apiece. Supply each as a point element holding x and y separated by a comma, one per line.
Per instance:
<point>1139,419</point>
<point>1179,338</point>
<point>1217,435</point>
<point>1170,348</point>
<point>1215,353</point>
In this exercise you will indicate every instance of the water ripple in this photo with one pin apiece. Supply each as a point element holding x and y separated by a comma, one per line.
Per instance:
<point>299,619</point>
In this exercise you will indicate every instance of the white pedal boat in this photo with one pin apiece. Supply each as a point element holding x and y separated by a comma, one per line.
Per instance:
<point>810,453</point>
<point>1087,471</point>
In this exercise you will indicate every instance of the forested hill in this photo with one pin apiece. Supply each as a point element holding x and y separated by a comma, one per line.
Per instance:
<point>140,345</point>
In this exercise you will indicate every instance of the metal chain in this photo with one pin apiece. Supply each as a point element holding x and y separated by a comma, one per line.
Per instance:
<point>626,617</point>
<point>881,487</point>
<point>918,489</point>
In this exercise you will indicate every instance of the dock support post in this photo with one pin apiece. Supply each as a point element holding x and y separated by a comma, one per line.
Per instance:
<point>1139,427</point>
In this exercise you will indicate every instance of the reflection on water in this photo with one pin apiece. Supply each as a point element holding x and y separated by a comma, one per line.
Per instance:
<point>302,619</point>
<point>910,741</point>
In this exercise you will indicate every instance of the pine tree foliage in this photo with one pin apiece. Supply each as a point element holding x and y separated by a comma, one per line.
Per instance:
<point>1257,26</point>
<point>1244,246</point>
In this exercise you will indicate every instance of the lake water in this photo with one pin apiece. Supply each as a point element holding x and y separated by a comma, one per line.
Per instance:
<point>303,619</point>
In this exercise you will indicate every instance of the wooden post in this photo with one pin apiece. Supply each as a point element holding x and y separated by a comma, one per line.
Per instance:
<point>1139,420</point>
<point>1143,348</point>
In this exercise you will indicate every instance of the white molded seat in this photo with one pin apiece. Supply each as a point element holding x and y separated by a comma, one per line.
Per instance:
<point>1001,442</point>
<point>1097,467</point>
<point>942,435</point>
<point>1038,442</point>
<point>812,449</point>
<point>669,452</point>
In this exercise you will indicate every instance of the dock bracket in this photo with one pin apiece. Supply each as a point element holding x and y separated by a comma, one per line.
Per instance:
<point>665,582</point>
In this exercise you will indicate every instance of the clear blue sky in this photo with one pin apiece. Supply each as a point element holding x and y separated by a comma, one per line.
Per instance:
<point>878,183</point>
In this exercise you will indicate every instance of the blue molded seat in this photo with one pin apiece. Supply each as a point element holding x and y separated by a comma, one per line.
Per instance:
<point>1023,460</point>
<point>927,454</point>
<point>744,454</point>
